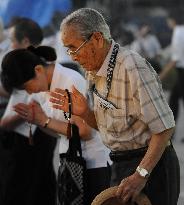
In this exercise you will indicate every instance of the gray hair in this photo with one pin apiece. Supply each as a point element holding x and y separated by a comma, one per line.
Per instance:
<point>87,21</point>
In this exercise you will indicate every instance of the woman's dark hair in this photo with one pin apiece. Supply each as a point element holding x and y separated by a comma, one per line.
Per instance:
<point>18,65</point>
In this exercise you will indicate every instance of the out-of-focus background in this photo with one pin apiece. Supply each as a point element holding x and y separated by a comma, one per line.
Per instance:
<point>125,18</point>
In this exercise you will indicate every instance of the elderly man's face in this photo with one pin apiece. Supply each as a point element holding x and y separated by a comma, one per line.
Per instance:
<point>87,52</point>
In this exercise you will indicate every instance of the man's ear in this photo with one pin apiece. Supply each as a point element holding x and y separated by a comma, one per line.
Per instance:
<point>39,69</point>
<point>98,39</point>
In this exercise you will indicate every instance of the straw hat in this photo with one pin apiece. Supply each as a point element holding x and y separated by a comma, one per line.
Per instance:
<point>107,197</point>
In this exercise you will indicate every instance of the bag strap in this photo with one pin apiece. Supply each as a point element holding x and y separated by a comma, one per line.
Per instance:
<point>72,132</point>
<point>110,69</point>
<point>74,142</point>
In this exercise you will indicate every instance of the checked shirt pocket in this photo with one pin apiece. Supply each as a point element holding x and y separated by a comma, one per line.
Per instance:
<point>118,123</point>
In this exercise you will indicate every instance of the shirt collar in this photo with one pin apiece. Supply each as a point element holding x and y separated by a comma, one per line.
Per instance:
<point>103,70</point>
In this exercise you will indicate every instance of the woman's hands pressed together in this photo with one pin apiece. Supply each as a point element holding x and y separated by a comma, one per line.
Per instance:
<point>31,112</point>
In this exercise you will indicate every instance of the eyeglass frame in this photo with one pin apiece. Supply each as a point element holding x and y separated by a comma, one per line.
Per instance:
<point>69,52</point>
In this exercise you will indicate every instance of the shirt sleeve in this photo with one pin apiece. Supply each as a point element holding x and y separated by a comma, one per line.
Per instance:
<point>150,102</point>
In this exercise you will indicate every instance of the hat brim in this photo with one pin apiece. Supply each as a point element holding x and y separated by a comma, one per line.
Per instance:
<point>108,197</point>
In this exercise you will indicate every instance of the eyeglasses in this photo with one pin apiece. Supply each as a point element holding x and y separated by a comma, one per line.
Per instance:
<point>70,52</point>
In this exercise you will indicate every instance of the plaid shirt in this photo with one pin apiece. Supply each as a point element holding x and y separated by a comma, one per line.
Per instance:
<point>141,108</point>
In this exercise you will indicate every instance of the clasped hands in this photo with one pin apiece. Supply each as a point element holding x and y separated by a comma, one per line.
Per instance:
<point>31,113</point>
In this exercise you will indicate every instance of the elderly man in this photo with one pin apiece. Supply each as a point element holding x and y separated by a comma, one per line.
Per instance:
<point>130,109</point>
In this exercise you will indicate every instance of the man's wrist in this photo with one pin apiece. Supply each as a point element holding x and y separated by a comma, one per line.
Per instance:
<point>143,172</point>
<point>89,118</point>
<point>86,114</point>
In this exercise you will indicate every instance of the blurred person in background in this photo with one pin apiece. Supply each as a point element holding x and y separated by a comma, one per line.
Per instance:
<point>130,110</point>
<point>147,45</point>
<point>35,75</point>
<point>26,171</point>
<point>175,21</point>
<point>4,47</point>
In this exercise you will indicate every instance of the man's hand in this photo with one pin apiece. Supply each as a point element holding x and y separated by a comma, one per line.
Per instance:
<point>130,187</point>
<point>59,99</point>
<point>80,107</point>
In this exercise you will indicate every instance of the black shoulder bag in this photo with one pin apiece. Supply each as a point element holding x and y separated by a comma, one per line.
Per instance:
<point>72,169</point>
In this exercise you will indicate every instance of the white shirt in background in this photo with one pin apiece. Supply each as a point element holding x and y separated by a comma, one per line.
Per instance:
<point>148,47</point>
<point>177,46</point>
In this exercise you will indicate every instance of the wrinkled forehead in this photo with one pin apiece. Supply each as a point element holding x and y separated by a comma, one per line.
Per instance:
<point>70,34</point>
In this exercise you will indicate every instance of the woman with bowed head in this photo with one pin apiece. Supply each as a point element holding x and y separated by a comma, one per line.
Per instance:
<point>27,174</point>
<point>36,72</point>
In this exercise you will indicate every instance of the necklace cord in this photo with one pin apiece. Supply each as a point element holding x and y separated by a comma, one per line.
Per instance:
<point>69,134</point>
<point>104,103</point>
